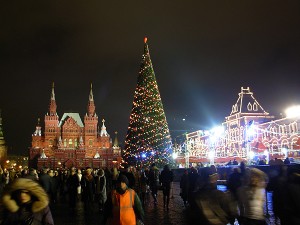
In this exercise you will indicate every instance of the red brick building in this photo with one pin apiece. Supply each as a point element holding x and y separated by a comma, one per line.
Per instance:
<point>68,141</point>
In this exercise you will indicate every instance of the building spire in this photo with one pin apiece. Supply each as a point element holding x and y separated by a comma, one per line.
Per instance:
<point>116,141</point>
<point>38,129</point>
<point>52,107</point>
<point>103,130</point>
<point>91,97</point>
<point>52,94</point>
<point>91,104</point>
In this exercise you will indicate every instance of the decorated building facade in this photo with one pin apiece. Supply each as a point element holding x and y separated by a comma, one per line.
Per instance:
<point>69,141</point>
<point>247,134</point>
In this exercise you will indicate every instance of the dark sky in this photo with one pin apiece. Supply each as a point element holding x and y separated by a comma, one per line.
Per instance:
<point>203,52</point>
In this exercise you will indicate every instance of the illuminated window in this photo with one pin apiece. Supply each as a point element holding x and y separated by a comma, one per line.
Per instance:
<point>90,142</point>
<point>249,107</point>
<point>65,142</point>
<point>76,143</point>
<point>70,143</point>
<point>255,107</point>
<point>50,142</point>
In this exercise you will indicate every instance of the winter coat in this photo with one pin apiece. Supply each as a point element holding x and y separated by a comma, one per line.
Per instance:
<point>36,212</point>
<point>101,188</point>
<point>214,207</point>
<point>154,177</point>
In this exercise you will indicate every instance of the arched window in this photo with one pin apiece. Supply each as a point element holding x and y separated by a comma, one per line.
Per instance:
<point>255,107</point>
<point>249,107</point>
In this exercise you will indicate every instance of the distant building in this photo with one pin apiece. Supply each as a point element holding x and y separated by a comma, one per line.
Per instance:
<point>68,141</point>
<point>3,146</point>
<point>249,133</point>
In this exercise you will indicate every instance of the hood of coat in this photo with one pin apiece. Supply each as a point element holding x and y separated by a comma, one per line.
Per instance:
<point>40,199</point>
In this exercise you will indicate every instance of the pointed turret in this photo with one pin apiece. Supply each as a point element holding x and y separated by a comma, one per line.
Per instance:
<point>52,107</point>
<point>91,104</point>
<point>116,141</point>
<point>103,132</point>
<point>97,156</point>
<point>38,129</point>
<point>43,155</point>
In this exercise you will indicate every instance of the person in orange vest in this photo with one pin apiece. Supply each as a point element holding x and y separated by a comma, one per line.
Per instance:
<point>123,207</point>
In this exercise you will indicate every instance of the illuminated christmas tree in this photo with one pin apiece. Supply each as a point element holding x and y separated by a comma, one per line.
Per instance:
<point>148,138</point>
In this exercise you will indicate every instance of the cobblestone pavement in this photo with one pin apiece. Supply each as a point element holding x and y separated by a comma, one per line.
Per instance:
<point>176,215</point>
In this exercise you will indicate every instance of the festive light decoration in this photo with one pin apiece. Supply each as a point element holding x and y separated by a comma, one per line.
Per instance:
<point>249,132</point>
<point>148,138</point>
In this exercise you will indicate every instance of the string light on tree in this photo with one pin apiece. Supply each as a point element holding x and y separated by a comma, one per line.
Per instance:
<point>148,138</point>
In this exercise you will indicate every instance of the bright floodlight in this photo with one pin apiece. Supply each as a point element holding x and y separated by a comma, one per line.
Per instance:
<point>216,132</point>
<point>293,111</point>
<point>211,155</point>
<point>251,154</point>
<point>251,130</point>
<point>174,155</point>
<point>284,150</point>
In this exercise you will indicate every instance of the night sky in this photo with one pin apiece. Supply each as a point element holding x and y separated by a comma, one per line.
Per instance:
<point>202,52</point>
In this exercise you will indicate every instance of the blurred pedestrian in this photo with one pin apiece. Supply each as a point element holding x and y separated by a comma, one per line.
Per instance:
<point>123,207</point>
<point>72,184</point>
<point>88,189</point>
<point>153,178</point>
<point>45,180</point>
<point>26,202</point>
<point>166,179</point>
<point>79,174</point>
<point>184,186</point>
<point>212,206</point>
<point>251,199</point>
<point>101,195</point>
<point>32,175</point>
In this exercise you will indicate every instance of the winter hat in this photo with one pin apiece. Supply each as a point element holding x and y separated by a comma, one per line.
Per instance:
<point>122,178</point>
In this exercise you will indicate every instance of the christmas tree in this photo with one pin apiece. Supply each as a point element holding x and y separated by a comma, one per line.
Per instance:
<point>148,138</point>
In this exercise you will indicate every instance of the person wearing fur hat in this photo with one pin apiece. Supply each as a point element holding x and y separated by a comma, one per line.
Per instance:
<point>26,203</point>
<point>123,206</point>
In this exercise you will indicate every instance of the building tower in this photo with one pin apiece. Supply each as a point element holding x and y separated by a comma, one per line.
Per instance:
<point>90,125</point>
<point>52,130</point>
<point>148,138</point>
<point>3,147</point>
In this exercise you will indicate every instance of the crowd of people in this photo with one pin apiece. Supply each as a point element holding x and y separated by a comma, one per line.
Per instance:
<point>121,195</point>
<point>245,199</point>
